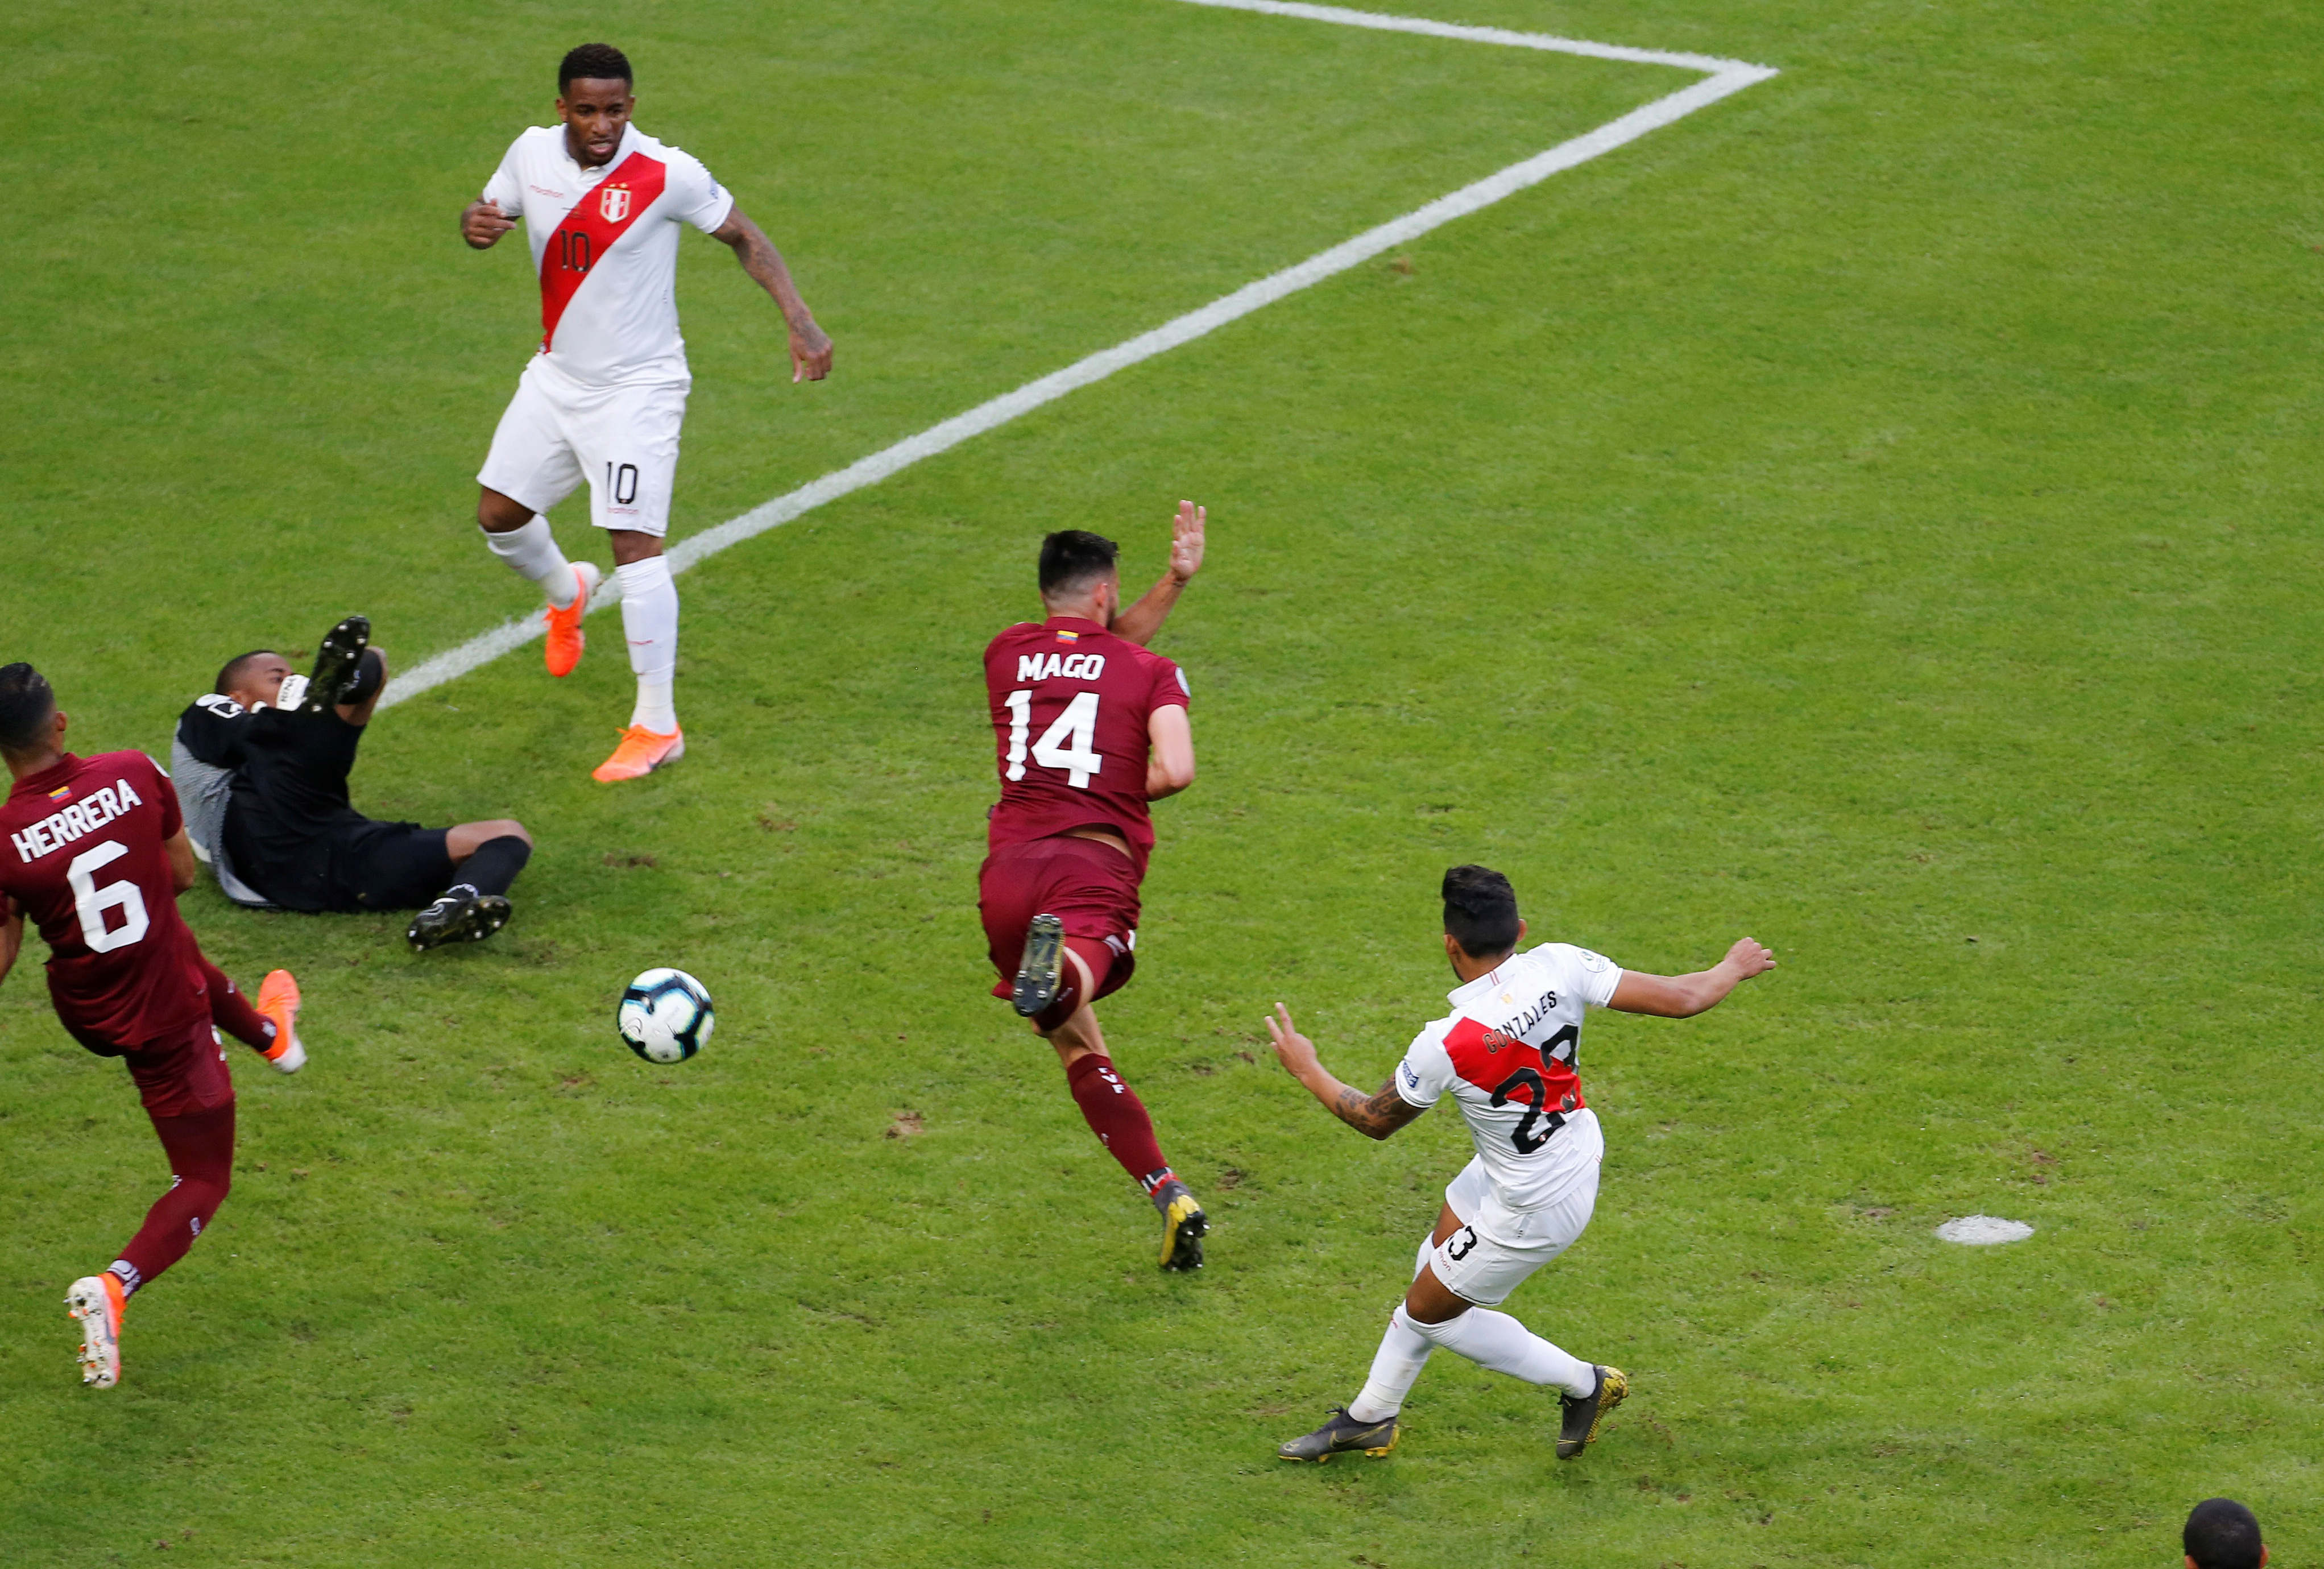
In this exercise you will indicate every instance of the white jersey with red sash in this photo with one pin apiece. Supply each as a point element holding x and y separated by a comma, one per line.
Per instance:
<point>605,242</point>
<point>1510,1054</point>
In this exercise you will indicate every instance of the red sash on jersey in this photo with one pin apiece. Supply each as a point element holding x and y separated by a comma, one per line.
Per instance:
<point>1514,1072</point>
<point>587,233</point>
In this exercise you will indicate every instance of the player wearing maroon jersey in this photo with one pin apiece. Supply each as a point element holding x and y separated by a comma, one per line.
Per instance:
<point>94,851</point>
<point>1509,1055</point>
<point>1090,726</point>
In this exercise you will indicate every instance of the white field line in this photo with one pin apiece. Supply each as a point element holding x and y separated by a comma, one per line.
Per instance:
<point>1721,79</point>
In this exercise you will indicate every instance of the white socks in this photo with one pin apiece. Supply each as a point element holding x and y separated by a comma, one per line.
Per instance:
<point>1403,1352</point>
<point>531,552</point>
<point>649,620</point>
<point>1496,1341</point>
<point>649,611</point>
<point>1493,1341</point>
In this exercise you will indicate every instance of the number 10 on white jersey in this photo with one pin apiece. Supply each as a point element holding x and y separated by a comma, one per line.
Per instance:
<point>1064,746</point>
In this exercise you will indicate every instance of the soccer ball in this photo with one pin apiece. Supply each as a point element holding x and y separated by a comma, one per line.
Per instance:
<point>664,1016</point>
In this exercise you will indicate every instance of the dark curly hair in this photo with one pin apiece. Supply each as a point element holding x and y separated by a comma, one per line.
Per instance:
<point>2222,1534</point>
<point>600,62</point>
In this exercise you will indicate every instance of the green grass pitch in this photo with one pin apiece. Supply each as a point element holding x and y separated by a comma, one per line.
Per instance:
<point>1876,515</point>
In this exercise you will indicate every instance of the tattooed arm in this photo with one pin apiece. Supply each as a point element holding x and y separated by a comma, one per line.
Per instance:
<point>1374,1116</point>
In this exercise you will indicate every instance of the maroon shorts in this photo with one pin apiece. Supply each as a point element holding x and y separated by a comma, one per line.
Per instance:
<point>176,1079</point>
<point>1092,887</point>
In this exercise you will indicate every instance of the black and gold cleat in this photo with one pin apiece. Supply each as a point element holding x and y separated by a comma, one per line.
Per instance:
<point>336,666</point>
<point>457,918</point>
<point>1341,1434</point>
<point>1579,1429</point>
<point>1184,1226</point>
<point>1043,969</point>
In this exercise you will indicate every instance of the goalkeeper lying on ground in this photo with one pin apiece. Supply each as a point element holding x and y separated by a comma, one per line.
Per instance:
<point>261,768</point>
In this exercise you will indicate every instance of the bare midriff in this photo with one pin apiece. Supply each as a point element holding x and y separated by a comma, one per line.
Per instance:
<point>1101,837</point>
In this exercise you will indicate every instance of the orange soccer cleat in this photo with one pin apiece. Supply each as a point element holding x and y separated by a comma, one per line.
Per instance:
<point>565,638</point>
<point>98,1302</point>
<point>278,999</point>
<point>640,754</point>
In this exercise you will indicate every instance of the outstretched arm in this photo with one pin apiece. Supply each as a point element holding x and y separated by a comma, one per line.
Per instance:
<point>810,347</point>
<point>1684,996</point>
<point>1142,620</point>
<point>1374,1116</point>
<point>11,933</point>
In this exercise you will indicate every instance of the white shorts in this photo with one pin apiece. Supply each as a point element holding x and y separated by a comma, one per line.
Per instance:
<point>623,440</point>
<point>1495,1248</point>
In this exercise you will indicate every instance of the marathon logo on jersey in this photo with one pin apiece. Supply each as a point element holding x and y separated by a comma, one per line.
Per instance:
<point>613,203</point>
<point>1073,667</point>
<point>59,829</point>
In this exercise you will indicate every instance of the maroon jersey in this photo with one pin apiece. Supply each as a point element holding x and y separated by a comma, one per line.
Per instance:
<point>83,859</point>
<point>1070,703</point>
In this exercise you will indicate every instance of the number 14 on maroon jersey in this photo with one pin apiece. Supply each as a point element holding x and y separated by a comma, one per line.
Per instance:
<point>1071,704</point>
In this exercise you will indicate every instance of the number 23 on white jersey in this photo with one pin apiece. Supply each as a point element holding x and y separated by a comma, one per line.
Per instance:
<point>1064,746</point>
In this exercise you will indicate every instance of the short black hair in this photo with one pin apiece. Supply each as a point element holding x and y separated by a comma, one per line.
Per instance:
<point>2221,1534</point>
<point>1072,556</point>
<point>230,674</point>
<point>1480,911</point>
<point>596,62</point>
<point>26,701</point>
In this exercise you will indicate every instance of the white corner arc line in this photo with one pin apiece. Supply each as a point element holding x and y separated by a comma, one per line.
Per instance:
<point>1723,78</point>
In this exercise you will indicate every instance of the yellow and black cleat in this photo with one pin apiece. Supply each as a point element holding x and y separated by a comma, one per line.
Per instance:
<point>1341,1434</point>
<point>1579,1429</point>
<point>1184,1227</point>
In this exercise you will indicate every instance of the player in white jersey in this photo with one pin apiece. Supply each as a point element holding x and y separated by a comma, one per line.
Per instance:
<point>604,398</point>
<point>1510,1054</point>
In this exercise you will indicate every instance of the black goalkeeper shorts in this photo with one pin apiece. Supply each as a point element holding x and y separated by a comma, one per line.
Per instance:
<point>389,865</point>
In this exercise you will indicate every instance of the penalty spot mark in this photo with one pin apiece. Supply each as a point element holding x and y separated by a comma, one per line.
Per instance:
<point>1984,1231</point>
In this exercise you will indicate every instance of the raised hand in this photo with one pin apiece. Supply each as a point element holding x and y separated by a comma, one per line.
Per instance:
<point>1294,1050</point>
<point>1186,541</point>
<point>482,224</point>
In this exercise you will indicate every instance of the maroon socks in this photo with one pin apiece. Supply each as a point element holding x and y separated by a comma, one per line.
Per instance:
<point>200,1147</point>
<point>231,1012</point>
<point>1118,1117</point>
